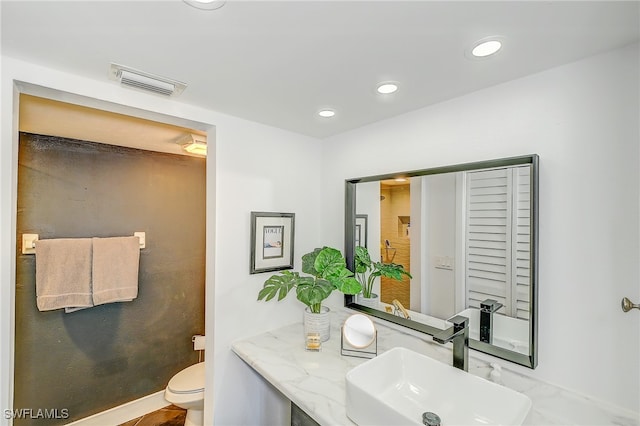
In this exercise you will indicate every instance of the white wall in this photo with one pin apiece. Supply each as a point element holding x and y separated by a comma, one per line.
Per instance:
<point>257,169</point>
<point>441,230</point>
<point>583,121</point>
<point>254,167</point>
<point>419,248</point>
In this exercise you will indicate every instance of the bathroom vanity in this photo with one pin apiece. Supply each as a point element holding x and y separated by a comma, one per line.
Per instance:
<point>315,381</point>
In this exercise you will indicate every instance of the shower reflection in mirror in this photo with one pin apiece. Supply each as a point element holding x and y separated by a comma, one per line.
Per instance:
<point>466,238</point>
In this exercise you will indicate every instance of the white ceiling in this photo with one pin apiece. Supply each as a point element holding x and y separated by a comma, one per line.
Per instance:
<point>278,63</point>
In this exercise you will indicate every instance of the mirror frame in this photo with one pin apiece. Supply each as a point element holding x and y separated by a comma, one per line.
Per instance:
<point>530,360</point>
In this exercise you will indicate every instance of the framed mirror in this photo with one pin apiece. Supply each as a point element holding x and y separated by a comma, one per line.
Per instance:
<point>467,234</point>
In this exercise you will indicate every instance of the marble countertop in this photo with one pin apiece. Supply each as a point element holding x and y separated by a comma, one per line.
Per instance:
<point>315,381</point>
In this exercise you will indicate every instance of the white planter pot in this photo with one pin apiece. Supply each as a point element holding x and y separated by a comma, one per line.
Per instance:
<point>370,302</point>
<point>317,323</point>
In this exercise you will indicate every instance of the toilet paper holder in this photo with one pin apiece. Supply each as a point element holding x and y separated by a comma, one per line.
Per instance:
<point>198,341</point>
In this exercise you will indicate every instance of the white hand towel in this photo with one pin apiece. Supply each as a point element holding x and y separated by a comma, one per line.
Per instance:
<point>63,273</point>
<point>115,269</point>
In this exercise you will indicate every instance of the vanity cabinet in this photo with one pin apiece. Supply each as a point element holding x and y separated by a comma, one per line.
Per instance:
<point>300,418</point>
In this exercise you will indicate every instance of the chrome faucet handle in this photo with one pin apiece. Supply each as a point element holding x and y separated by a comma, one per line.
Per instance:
<point>459,322</point>
<point>627,305</point>
<point>459,335</point>
<point>490,305</point>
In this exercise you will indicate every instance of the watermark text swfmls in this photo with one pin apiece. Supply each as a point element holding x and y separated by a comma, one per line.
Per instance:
<point>36,413</point>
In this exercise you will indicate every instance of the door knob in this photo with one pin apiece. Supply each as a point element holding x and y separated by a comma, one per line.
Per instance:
<point>627,305</point>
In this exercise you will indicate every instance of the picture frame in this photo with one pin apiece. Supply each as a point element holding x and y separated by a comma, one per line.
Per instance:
<point>361,230</point>
<point>272,241</point>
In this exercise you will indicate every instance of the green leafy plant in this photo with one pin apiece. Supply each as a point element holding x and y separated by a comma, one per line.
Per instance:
<point>367,270</point>
<point>328,271</point>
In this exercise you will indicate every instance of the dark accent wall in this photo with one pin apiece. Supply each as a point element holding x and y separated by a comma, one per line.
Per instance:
<point>98,358</point>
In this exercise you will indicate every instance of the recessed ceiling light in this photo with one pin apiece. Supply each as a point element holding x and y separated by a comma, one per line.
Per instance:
<point>486,47</point>
<point>206,4</point>
<point>387,88</point>
<point>326,113</point>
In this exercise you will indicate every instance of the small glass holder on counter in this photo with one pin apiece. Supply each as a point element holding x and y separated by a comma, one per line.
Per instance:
<point>313,342</point>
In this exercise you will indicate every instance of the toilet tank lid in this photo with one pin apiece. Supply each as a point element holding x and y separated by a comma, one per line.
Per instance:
<point>189,380</point>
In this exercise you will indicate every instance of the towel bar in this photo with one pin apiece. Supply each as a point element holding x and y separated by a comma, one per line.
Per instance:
<point>29,242</point>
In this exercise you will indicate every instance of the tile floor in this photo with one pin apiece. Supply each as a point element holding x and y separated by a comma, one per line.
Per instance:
<point>167,416</point>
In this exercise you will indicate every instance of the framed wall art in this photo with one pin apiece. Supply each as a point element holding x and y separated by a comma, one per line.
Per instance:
<point>272,236</point>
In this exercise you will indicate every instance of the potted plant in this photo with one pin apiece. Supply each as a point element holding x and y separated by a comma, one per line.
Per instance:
<point>327,271</point>
<point>367,271</point>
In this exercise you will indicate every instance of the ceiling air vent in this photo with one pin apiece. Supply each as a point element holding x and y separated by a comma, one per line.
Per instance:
<point>144,81</point>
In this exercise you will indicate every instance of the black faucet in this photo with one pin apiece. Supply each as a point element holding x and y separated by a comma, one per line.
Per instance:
<point>459,334</point>
<point>487,308</point>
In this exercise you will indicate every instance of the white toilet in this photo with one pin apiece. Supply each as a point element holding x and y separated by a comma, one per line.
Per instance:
<point>186,390</point>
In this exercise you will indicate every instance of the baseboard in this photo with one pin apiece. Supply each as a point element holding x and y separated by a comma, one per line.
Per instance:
<point>125,412</point>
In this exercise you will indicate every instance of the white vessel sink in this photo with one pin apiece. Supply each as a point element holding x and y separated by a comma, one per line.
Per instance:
<point>398,386</point>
